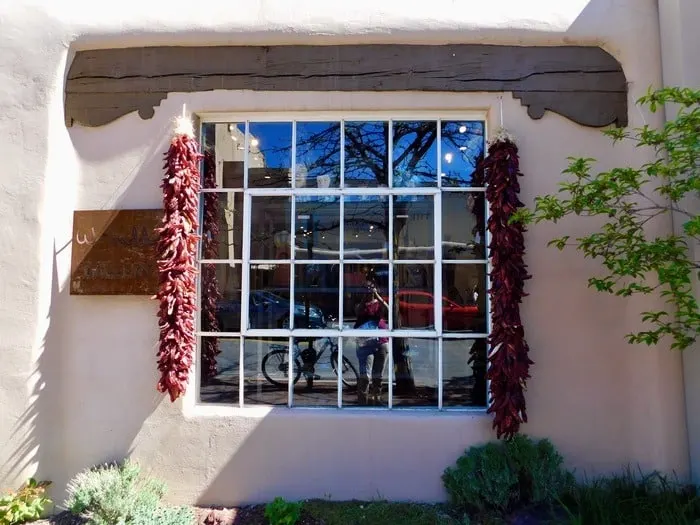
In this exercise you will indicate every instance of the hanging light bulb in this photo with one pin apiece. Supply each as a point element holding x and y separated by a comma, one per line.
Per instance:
<point>463,129</point>
<point>254,142</point>
<point>448,157</point>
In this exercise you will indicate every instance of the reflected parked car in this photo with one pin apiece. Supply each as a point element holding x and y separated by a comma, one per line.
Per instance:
<point>267,310</point>
<point>417,311</point>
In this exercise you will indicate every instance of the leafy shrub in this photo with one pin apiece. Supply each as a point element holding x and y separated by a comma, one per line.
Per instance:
<point>282,512</point>
<point>631,499</point>
<point>26,504</point>
<point>502,476</point>
<point>117,494</point>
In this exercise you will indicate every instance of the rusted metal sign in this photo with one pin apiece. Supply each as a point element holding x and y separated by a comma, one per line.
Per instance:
<point>113,252</point>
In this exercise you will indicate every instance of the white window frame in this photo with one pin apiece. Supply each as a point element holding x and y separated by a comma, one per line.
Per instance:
<point>340,334</point>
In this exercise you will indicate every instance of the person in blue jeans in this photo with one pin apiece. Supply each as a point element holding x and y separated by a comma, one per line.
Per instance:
<point>371,314</point>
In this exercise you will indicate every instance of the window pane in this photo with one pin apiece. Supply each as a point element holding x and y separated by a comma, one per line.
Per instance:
<point>370,357</point>
<point>464,301</point>
<point>270,228</point>
<point>366,154</point>
<point>361,306</point>
<point>317,227</point>
<point>269,154</point>
<point>366,227</point>
<point>415,154</point>
<point>422,354</point>
<point>222,225</point>
<point>223,387</point>
<point>221,297</point>
<point>464,372</point>
<point>318,155</point>
<point>462,145</point>
<point>413,227</point>
<point>317,384</point>
<point>463,233</point>
<point>269,296</point>
<point>316,293</point>
<point>413,293</point>
<point>265,372</point>
<point>222,145</point>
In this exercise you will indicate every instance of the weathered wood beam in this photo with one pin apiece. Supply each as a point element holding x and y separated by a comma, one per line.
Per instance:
<point>582,83</point>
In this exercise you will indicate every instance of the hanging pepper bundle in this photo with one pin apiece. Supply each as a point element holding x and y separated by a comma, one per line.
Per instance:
<point>508,359</point>
<point>177,252</point>
<point>210,287</point>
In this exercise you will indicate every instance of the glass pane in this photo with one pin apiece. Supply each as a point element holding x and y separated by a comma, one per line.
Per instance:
<point>422,357</point>
<point>270,227</point>
<point>221,297</point>
<point>464,298</point>
<point>362,307</point>
<point>413,227</point>
<point>317,382</point>
<point>222,145</point>
<point>462,145</point>
<point>415,154</point>
<point>464,372</point>
<point>366,154</point>
<point>317,227</point>
<point>269,154</point>
<point>413,294</point>
<point>316,293</point>
<point>269,305</point>
<point>370,357</point>
<point>366,227</point>
<point>265,371</point>
<point>222,225</point>
<point>220,372</point>
<point>463,228</point>
<point>318,155</point>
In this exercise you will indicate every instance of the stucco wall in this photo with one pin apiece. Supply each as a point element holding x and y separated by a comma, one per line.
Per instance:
<point>680,42</point>
<point>77,384</point>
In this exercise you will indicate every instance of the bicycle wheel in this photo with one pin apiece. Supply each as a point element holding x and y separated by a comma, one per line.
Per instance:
<point>275,368</point>
<point>350,374</point>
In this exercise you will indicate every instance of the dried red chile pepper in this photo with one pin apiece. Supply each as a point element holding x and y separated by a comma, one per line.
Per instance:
<point>211,294</point>
<point>509,364</point>
<point>177,252</point>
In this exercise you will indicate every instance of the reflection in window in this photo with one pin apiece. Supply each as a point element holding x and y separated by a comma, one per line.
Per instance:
<point>414,153</point>
<point>366,154</point>
<point>222,287</point>
<point>413,292</point>
<point>317,360</point>
<point>270,155</point>
<point>462,144</point>
<point>463,225</point>
<point>223,149</point>
<point>317,227</point>
<point>316,291</point>
<point>223,223</point>
<point>463,372</point>
<point>464,301</point>
<point>270,228</point>
<point>318,155</point>
<point>366,227</point>
<point>359,283</point>
<point>269,305</point>
<point>423,354</point>
<point>413,227</point>
<point>223,387</point>
<point>265,371</point>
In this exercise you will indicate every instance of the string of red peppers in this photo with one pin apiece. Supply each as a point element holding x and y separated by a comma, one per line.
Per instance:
<point>211,294</point>
<point>509,364</point>
<point>177,252</point>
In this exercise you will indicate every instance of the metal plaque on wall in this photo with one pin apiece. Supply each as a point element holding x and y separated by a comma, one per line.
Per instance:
<point>114,252</point>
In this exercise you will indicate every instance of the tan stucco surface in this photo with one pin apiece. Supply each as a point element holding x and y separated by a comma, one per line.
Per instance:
<point>77,382</point>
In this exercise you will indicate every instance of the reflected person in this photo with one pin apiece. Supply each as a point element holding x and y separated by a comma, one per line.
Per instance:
<point>371,313</point>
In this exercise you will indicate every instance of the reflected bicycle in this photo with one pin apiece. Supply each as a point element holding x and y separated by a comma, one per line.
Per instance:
<point>275,364</point>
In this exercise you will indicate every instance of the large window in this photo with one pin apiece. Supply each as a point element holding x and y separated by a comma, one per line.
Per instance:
<point>348,265</point>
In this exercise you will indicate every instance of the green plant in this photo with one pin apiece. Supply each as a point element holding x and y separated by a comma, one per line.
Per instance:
<point>26,504</point>
<point>632,499</point>
<point>117,494</point>
<point>637,260</point>
<point>282,512</point>
<point>502,476</point>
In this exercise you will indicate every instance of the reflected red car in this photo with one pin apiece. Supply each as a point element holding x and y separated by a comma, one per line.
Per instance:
<point>417,311</point>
